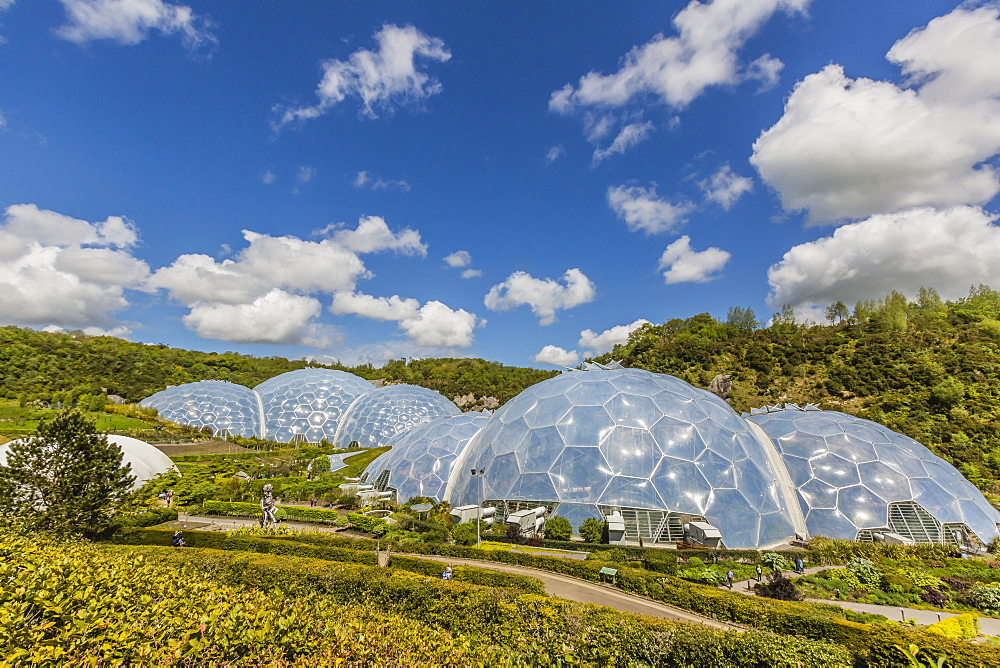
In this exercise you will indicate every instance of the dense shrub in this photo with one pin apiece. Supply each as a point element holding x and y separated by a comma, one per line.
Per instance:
<point>148,517</point>
<point>961,627</point>
<point>558,528</point>
<point>779,587</point>
<point>68,604</point>
<point>282,513</point>
<point>872,642</point>
<point>374,525</point>
<point>531,629</point>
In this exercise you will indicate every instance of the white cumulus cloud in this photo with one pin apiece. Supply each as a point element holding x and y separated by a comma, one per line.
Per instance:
<point>382,79</point>
<point>556,356</point>
<point>554,154</point>
<point>725,187</point>
<point>275,317</point>
<point>59,270</point>
<point>678,69</point>
<point>544,296</point>
<point>433,324</point>
<point>629,136</point>
<point>643,210</point>
<point>284,273</point>
<point>850,148</point>
<point>472,273</point>
<point>686,265</point>
<point>130,22</point>
<point>598,343</point>
<point>439,325</point>
<point>460,258</point>
<point>946,249</point>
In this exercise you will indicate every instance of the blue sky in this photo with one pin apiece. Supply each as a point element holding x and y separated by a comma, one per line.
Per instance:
<point>524,182</point>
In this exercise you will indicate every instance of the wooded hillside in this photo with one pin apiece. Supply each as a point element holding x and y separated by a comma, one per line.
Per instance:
<point>928,368</point>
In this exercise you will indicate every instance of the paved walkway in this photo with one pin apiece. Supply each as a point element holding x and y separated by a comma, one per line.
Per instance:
<point>584,591</point>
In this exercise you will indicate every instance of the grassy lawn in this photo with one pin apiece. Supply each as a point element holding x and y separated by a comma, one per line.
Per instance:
<point>16,421</point>
<point>201,448</point>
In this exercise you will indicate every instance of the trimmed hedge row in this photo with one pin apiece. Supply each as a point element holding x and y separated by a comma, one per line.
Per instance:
<point>149,517</point>
<point>876,643</point>
<point>539,629</point>
<point>291,547</point>
<point>282,513</point>
<point>376,526</point>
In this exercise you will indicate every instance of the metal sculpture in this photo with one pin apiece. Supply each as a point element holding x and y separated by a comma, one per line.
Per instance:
<point>267,507</point>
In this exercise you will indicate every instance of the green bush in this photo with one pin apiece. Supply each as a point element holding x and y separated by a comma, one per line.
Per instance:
<point>592,530</point>
<point>373,525</point>
<point>558,528</point>
<point>282,513</point>
<point>986,599</point>
<point>321,464</point>
<point>148,517</point>
<point>530,629</point>
<point>874,643</point>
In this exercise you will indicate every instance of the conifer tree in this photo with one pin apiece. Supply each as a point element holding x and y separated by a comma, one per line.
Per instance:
<point>68,478</point>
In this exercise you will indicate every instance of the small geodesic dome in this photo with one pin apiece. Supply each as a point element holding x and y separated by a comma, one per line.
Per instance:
<point>421,459</point>
<point>146,461</point>
<point>226,408</point>
<point>855,478</point>
<point>308,404</point>
<point>650,446</point>
<point>377,416</point>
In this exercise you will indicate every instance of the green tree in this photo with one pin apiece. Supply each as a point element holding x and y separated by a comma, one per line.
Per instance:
<point>592,530</point>
<point>786,316</point>
<point>321,464</point>
<point>558,528</point>
<point>837,312</point>
<point>68,478</point>
<point>743,319</point>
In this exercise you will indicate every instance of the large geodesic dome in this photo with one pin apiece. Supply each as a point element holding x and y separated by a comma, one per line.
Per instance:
<point>222,406</point>
<point>421,459</point>
<point>649,446</point>
<point>146,461</point>
<point>377,416</point>
<point>855,478</point>
<point>308,404</point>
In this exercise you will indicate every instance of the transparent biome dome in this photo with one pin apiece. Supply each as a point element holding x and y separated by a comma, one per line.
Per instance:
<point>422,459</point>
<point>222,406</point>
<point>308,403</point>
<point>146,461</point>
<point>379,415</point>
<point>854,475</point>
<point>601,440</point>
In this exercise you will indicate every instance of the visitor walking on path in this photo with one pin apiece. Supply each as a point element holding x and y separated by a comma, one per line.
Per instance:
<point>800,566</point>
<point>760,573</point>
<point>730,577</point>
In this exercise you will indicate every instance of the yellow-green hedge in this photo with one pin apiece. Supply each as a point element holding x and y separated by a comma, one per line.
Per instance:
<point>961,627</point>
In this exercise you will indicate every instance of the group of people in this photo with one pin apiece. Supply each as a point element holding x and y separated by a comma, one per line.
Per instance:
<point>178,540</point>
<point>167,497</point>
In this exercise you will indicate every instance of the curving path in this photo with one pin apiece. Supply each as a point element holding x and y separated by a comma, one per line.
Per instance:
<point>584,591</point>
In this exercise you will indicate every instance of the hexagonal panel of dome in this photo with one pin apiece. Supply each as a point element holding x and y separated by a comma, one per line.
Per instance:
<point>308,404</point>
<point>651,447</point>
<point>374,418</point>
<point>223,407</point>
<point>859,480</point>
<point>422,459</point>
